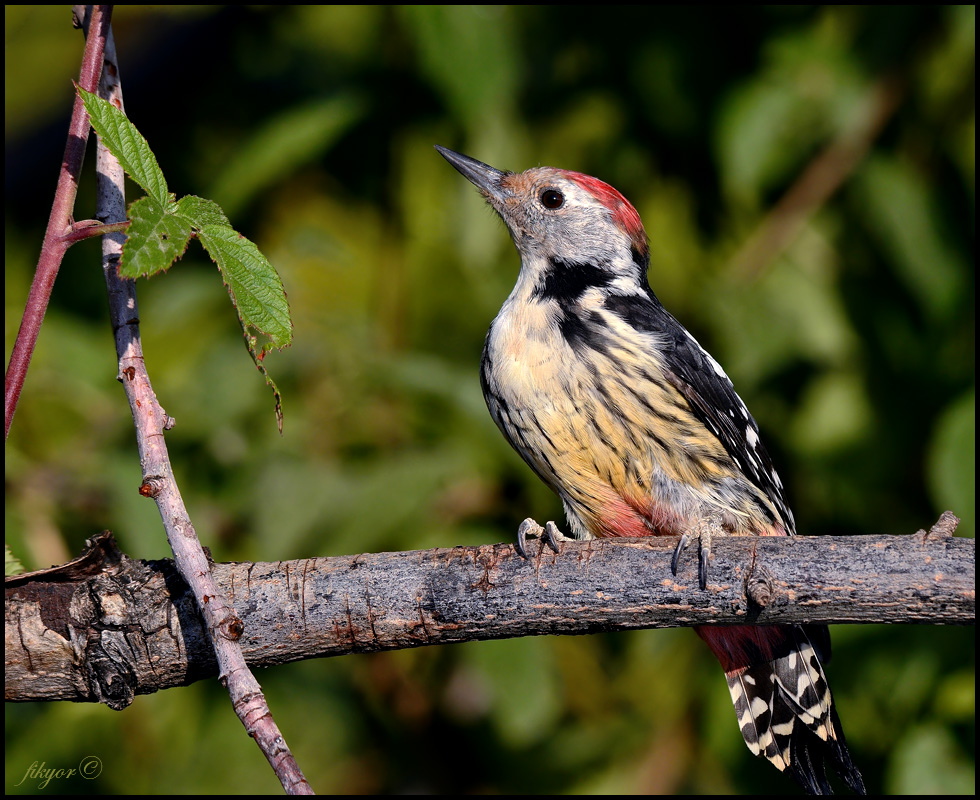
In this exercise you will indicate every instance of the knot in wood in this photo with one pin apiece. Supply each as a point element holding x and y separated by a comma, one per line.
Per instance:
<point>944,528</point>
<point>232,627</point>
<point>760,586</point>
<point>152,486</point>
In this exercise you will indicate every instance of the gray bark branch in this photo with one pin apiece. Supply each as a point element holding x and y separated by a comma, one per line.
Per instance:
<point>106,626</point>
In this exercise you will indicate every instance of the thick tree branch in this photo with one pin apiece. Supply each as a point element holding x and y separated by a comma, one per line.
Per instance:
<point>105,628</point>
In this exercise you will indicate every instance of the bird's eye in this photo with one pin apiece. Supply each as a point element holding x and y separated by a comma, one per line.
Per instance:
<point>552,198</point>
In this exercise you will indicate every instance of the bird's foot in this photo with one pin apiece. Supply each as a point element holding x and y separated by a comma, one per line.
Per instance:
<point>700,532</point>
<point>549,534</point>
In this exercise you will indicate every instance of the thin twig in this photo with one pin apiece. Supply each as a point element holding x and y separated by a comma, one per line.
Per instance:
<point>59,222</point>
<point>90,228</point>
<point>223,624</point>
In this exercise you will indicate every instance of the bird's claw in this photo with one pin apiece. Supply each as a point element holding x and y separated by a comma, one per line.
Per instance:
<point>703,557</point>
<point>702,533</point>
<point>529,529</point>
<point>681,547</point>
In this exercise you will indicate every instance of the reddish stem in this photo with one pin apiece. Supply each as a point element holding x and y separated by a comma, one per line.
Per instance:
<point>90,228</point>
<point>55,245</point>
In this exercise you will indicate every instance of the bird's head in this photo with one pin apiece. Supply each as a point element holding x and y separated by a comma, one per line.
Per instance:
<point>560,217</point>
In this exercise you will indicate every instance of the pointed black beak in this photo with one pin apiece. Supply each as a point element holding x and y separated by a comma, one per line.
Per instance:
<point>483,176</point>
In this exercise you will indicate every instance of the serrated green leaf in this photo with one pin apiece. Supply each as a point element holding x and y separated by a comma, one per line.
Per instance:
<point>127,144</point>
<point>156,238</point>
<point>255,288</point>
<point>252,282</point>
<point>200,212</point>
<point>251,342</point>
<point>11,565</point>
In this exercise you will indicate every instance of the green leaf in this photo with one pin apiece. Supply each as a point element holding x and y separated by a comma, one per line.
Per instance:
<point>161,228</point>
<point>157,237</point>
<point>295,137</point>
<point>809,89</point>
<point>900,205</point>
<point>200,212</point>
<point>952,462</point>
<point>11,565</point>
<point>254,286</point>
<point>127,144</point>
<point>469,54</point>
<point>256,292</point>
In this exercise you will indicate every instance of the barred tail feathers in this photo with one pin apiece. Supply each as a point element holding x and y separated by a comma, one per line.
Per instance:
<point>782,700</point>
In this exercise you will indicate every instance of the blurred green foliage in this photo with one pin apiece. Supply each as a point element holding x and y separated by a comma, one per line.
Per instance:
<point>854,346</point>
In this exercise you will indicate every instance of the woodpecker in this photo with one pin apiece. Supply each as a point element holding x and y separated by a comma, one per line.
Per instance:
<point>639,431</point>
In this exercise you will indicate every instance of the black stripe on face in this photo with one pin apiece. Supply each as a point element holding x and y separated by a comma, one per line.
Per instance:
<point>566,281</point>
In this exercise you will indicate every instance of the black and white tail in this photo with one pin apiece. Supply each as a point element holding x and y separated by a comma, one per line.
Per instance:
<point>783,703</point>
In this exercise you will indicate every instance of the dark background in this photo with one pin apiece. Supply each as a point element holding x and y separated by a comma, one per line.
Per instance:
<point>853,345</point>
